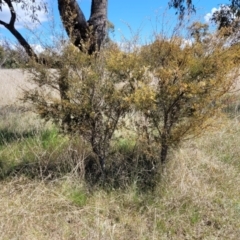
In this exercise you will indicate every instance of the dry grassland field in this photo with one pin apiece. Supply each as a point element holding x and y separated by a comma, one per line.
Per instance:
<point>197,197</point>
<point>12,82</point>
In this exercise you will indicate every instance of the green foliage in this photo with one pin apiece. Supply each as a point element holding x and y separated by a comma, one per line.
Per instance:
<point>125,145</point>
<point>78,197</point>
<point>50,138</point>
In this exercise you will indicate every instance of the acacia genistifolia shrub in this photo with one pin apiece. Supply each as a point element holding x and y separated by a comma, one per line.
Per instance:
<point>90,93</point>
<point>161,93</point>
<point>185,85</point>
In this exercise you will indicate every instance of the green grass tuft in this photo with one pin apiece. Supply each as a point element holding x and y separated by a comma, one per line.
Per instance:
<point>78,197</point>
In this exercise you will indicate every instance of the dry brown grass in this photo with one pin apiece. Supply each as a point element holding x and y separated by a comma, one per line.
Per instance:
<point>203,191</point>
<point>35,210</point>
<point>198,198</point>
<point>12,84</point>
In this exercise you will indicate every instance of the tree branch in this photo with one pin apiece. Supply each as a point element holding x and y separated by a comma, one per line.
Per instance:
<point>23,42</point>
<point>16,34</point>
<point>12,11</point>
<point>3,23</point>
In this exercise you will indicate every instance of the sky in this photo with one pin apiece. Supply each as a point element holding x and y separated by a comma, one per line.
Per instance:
<point>128,16</point>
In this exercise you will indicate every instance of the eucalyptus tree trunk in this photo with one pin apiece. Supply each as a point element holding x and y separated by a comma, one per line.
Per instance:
<point>87,35</point>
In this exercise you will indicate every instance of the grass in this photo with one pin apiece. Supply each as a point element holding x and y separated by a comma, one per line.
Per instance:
<point>29,146</point>
<point>198,196</point>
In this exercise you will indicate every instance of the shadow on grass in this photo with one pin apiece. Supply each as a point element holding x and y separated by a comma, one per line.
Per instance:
<point>49,155</point>
<point>118,175</point>
<point>33,170</point>
<point>7,136</point>
<point>123,170</point>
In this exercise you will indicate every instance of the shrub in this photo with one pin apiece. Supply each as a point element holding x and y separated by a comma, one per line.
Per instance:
<point>162,93</point>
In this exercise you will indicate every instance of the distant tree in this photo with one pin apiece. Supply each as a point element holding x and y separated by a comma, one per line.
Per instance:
<point>224,17</point>
<point>182,6</point>
<point>3,57</point>
<point>227,16</point>
<point>11,58</point>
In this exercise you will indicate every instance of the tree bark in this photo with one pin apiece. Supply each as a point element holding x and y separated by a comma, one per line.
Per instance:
<point>86,35</point>
<point>164,149</point>
<point>74,22</point>
<point>98,22</point>
<point>165,139</point>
